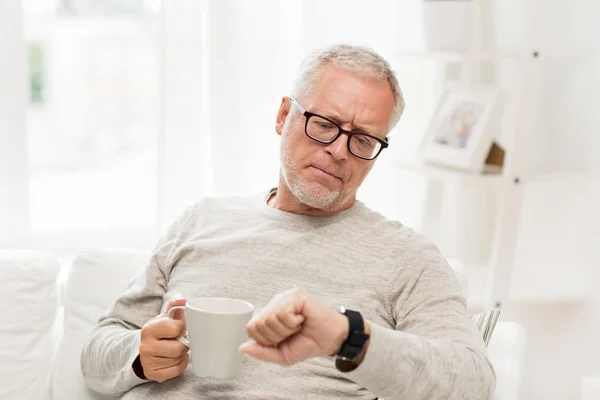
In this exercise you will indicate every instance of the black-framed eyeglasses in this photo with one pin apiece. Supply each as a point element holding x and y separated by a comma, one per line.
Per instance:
<point>323,130</point>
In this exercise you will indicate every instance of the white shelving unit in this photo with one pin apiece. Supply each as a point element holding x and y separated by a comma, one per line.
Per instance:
<point>483,56</point>
<point>491,174</point>
<point>550,287</point>
<point>564,286</point>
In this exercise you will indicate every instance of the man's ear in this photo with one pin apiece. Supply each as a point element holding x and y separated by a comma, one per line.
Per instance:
<point>284,110</point>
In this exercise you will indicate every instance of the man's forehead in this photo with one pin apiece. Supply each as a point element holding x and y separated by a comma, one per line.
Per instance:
<point>346,108</point>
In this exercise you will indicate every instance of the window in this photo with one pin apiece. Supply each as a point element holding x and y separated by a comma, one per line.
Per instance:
<point>94,115</point>
<point>132,107</point>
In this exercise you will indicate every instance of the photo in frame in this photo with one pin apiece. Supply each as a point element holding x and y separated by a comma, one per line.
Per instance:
<point>461,131</point>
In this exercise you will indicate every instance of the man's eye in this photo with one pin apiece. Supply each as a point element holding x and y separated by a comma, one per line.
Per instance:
<point>364,142</point>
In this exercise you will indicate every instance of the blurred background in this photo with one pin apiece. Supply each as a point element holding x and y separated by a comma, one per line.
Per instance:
<point>137,108</point>
<point>116,115</point>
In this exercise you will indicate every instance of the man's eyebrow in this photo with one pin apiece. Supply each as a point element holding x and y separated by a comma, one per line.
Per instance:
<point>364,129</point>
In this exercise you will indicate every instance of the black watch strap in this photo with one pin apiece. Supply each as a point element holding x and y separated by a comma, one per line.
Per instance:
<point>354,344</point>
<point>137,368</point>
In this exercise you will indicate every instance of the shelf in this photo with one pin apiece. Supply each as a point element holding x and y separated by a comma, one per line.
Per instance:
<point>548,287</point>
<point>549,300</point>
<point>543,288</point>
<point>491,174</point>
<point>457,56</point>
<point>493,56</point>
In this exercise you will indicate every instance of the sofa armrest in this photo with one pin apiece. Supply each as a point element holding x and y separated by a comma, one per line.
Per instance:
<point>29,298</point>
<point>506,351</point>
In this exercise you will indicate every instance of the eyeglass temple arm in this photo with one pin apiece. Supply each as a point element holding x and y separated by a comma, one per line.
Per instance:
<point>297,105</point>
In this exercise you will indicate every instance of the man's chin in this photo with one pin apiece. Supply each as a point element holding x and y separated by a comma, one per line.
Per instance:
<point>317,195</point>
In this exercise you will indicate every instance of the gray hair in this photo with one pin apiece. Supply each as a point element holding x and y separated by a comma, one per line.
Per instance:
<point>362,60</point>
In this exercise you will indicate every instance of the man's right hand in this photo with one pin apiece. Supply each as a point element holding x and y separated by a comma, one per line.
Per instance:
<point>162,356</point>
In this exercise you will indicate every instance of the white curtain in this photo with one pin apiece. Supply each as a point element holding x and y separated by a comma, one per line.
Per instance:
<point>249,55</point>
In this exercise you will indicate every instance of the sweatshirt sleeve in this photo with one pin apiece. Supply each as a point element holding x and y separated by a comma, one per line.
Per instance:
<point>435,351</point>
<point>108,355</point>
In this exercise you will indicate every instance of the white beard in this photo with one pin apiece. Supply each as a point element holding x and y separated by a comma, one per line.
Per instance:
<point>312,194</point>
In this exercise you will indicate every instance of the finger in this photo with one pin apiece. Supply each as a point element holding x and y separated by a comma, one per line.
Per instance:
<point>271,337</point>
<point>154,365</point>
<point>179,315</point>
<point>291,320</point>
<point>166,328</point>
<point>178,301</point>
<point>171,348</point>
<point>255,334</point>
<point>264,353</point>
<point>275,324</point>
<point>172,370</point>
<point>161,363</point>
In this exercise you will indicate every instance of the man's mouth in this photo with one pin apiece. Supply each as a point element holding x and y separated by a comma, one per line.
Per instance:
<point>328,173</point>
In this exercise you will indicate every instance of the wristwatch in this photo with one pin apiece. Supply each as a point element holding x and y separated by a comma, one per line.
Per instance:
<point>355,342</point>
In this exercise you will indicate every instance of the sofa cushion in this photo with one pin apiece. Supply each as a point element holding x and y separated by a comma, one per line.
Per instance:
<point>29,299</point>
<point>95,281</point>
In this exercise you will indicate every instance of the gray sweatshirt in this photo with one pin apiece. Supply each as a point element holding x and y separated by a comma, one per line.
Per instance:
<point>423,345</point>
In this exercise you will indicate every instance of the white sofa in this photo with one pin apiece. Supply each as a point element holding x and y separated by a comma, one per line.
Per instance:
<point>45,323</point>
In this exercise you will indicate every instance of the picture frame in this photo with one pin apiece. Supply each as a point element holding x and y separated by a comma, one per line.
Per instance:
<point>461,131</point>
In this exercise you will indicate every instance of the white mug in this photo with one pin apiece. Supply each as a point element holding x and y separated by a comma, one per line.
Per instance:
<point>216,328</point>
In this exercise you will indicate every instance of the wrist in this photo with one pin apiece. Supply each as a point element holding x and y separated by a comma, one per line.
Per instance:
<point>138,369</point>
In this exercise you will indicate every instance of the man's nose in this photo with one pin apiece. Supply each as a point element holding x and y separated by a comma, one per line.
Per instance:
<point>339,148</point>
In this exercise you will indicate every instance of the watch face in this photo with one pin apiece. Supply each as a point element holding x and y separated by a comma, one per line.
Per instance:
<point>349,355</point>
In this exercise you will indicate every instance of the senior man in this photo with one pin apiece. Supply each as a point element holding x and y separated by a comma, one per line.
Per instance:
<point>297,252</point>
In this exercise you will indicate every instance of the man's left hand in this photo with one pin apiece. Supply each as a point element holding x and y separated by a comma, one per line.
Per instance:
<point>294,327</point>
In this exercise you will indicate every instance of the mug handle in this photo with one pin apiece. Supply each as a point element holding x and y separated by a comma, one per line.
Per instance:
<point>170,315</point>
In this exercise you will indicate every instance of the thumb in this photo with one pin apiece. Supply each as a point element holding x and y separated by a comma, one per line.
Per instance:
<point>263,353</point>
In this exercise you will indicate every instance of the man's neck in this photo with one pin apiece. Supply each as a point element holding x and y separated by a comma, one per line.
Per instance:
<point>283,199</point>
